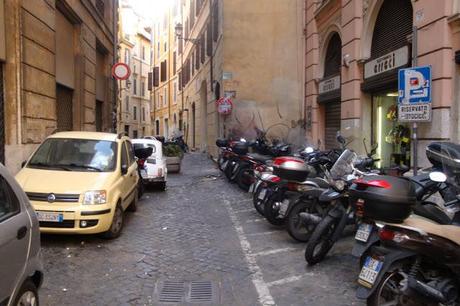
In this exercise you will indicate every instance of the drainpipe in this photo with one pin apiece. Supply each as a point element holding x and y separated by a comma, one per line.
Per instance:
<point>115,107</point>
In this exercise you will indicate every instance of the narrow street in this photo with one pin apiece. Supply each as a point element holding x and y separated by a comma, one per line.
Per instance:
<point>201,241</point>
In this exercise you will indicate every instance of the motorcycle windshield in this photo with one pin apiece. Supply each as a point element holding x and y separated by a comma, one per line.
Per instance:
<point>343,165</point>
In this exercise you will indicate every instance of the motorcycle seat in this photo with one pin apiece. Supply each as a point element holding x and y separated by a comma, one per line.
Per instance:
<point>450,232</point>
<point>260,157</point>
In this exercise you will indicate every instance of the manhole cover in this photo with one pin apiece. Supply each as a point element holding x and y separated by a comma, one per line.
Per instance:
<point>187,292</point>
<point>201,292</point>
<point>172,292</point>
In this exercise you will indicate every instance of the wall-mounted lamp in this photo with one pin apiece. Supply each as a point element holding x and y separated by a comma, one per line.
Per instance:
<point>346,60</point>
<point>179,32</point>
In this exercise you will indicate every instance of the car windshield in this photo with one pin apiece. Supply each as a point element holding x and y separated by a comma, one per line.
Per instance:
<point>75,155</point>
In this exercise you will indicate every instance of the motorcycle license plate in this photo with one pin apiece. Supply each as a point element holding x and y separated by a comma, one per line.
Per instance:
<point>369,272</point>
<point>49,216</point>
<point>364,231</point>
<point>262,194</point>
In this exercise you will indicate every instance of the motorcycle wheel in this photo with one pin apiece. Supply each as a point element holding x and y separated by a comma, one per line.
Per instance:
<point>220,162</point>
<point>271,213</point>
<point>259,203</point>
<point>388,291</point>
<point>320,241</point>
<point>296,229</point>
<point>229,172</point>
<point>240,177</point>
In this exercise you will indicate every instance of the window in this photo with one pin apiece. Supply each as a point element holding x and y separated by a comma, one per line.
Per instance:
<point>209,40</point>
<point>143,88</point>
<point>127,103</point>
<point>215,19</point>
<point>143,52</point>
<point>9,204</point>
<point>174,63</point>
<point>166,95</point>
<point>134,113</point>
<point>135,85</point>
<point>197,57</point>
<point>124,156</point>
<point>163,70</point>
<point>135,134</point>
<point>175,92</point>
<point>127,56</point>
<point>158,49</point>
<point>202,48</point>
<point>165,47</point>
<point>161,100</point>
<point>180,80</point>
<point>131,157</point>
<point>143,114</point>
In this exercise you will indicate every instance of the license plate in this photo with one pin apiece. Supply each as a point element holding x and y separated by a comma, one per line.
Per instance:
<point>49,216</point>
<point>152,161</point>
<point>369,272</point>
<point>262,194</point>
<point>364,231</point>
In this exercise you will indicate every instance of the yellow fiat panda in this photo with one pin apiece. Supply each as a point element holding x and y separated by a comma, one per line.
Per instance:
<point>81,182</point>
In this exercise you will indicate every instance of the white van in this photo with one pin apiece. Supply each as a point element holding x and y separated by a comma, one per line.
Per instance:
<point>154,171</point>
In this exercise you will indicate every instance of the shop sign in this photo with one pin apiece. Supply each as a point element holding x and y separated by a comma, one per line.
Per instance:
<point>224,106</point>
<point>329,84</point>
<point>414,94</point>
<point>387,62</point>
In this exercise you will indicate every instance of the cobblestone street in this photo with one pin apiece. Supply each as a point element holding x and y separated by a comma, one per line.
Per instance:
<point>199,242</point>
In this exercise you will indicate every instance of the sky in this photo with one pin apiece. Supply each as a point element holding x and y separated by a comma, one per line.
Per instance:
<point>150,9</point>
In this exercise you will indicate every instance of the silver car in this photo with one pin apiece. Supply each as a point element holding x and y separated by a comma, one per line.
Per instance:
<point>21,272</point>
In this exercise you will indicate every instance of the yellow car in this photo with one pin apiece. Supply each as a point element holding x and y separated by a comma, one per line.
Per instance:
<point>81,182</point>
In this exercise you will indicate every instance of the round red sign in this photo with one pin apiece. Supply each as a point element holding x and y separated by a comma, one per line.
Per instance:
<point>121,71</point>
<point>224,106</point>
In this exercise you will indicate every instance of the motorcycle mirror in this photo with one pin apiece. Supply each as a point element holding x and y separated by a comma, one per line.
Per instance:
<point>309,150</point>
<point>438,177</point>
<point>243,140</point>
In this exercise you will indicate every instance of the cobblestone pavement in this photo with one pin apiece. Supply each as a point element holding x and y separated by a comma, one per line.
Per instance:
<point>200,236</point>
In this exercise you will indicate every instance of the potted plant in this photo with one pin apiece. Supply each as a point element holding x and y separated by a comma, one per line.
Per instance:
<point>174,157</point>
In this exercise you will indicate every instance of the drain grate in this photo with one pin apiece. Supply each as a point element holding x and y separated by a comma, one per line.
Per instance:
<point>172,292</point>
<point>201,291</point>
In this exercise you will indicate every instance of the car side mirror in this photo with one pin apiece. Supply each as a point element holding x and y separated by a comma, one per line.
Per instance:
<point>124,169</point>
<point>23,164</point>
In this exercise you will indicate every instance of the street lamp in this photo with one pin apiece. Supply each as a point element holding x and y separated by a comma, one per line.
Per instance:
<point>179,31</point>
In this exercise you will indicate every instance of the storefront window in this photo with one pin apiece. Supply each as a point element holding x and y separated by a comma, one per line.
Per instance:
<point>393,137</point>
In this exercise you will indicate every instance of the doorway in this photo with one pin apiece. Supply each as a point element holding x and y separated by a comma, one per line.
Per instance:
<point>193,125</point>
<point>99,115</point>
<point>204,116</point>
<point>64,108</point>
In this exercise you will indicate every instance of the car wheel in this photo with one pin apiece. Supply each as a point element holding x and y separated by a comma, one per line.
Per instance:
<point>117,224</point>
<point>133,206</point>
<point>27,295</point>
<point>162,186</point>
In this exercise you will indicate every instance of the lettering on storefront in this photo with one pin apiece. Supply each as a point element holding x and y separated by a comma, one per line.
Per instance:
<point>387,62</point>
<point>330,84</point>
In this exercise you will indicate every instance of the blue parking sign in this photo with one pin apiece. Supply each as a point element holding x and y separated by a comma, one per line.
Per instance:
<point>414,94</point>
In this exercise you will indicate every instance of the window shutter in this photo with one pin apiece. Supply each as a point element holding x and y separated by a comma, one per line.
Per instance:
<point>203,48</point>
<point>209,40</point>
<point>174,63</point>
<point>156,76</point>
<point>197,57</point>
<point>215,19</point>
<point>149,81</point>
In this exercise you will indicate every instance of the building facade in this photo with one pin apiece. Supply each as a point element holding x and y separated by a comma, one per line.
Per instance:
<point>55,60</point>
<point>354,50</point>
<point>220,52</point>
<point>135,50</point>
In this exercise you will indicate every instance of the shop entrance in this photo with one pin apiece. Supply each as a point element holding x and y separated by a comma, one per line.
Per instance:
<point>392,137</point>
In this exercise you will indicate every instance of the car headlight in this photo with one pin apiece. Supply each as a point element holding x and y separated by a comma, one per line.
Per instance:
<point>95,197</point>
<point>339,185</point>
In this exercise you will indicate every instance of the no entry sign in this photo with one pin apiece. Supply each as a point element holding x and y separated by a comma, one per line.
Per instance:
<point>121,71</point>
<point>224,106</point>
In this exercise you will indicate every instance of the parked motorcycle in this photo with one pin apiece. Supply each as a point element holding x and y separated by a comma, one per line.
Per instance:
<point>417,257</point>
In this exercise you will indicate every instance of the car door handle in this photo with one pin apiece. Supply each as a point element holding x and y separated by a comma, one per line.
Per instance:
<point>22,231</point>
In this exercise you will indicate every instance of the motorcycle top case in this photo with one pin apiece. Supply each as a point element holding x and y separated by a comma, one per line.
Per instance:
<point>221,143</point>
<point>240,148</point>
<point>383,198</point>
<point>291,168</point>
<point>444,154</point>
